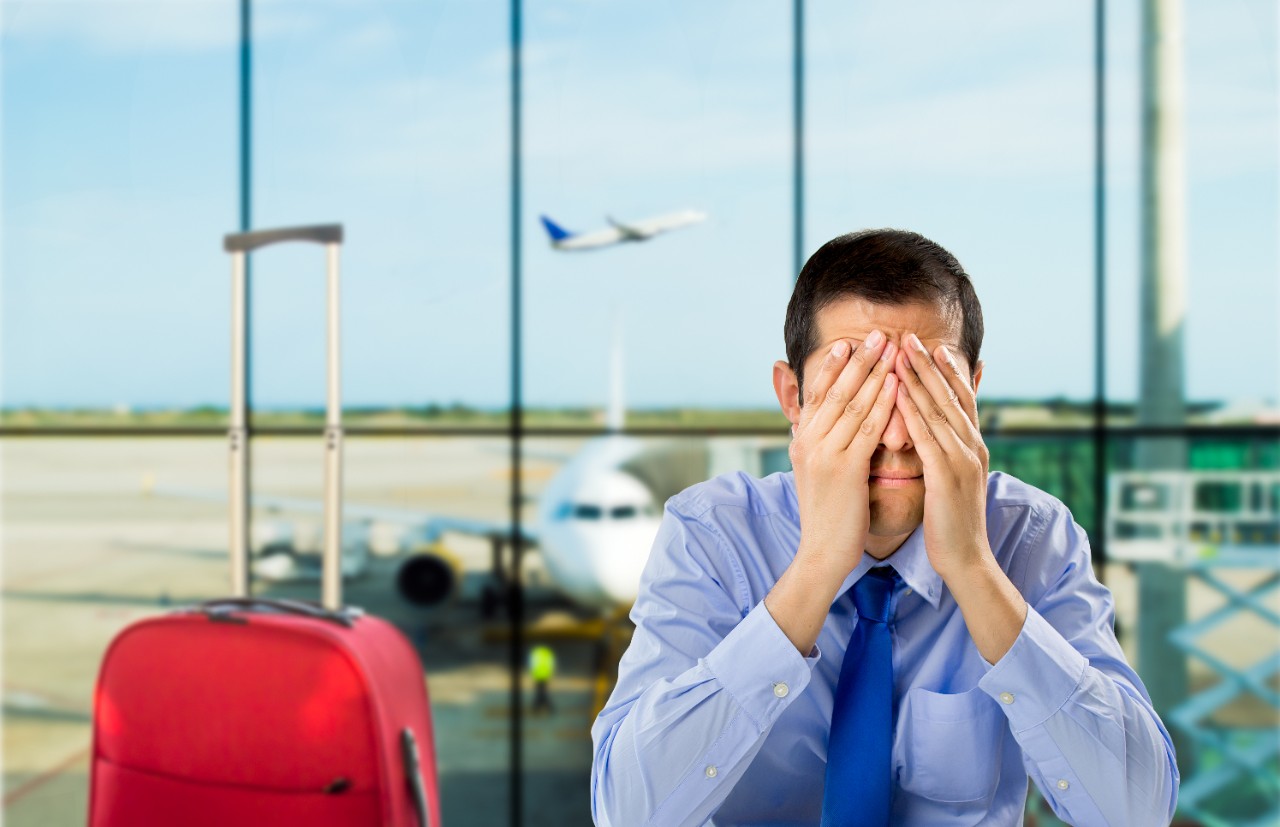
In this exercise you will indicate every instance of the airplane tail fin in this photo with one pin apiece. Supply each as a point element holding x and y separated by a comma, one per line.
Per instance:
<point>554,230</point>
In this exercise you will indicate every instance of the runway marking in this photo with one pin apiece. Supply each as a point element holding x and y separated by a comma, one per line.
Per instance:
<point>35,782</point>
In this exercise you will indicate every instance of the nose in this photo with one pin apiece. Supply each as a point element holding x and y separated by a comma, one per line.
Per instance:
<point>896,437</point>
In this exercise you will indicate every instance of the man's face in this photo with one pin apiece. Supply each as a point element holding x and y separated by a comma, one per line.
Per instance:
<point>897,505</point>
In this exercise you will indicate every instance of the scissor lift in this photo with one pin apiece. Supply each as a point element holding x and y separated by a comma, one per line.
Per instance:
<point>1205,522</point>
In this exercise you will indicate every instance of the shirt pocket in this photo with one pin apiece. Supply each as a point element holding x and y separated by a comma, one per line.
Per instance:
<point>951,745</point>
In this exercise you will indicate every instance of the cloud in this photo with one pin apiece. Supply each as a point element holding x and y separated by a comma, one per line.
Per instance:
<point>147,26</point>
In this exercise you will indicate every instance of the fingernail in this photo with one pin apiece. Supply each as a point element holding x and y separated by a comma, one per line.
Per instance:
<point>874,340</point>
<point>840,349</point>
<point>914,341</point>
<point>888,352</point>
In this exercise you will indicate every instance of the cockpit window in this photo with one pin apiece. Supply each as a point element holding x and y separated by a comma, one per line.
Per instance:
<point>623,512</point>
<point>584,511</point>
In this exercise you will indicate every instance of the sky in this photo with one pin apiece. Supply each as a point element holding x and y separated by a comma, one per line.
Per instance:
<point>971,123</point>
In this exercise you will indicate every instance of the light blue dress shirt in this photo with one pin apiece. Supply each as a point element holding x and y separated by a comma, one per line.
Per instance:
<point>718,719</point>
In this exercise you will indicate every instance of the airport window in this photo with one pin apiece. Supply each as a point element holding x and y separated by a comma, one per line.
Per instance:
<point>657,235</point>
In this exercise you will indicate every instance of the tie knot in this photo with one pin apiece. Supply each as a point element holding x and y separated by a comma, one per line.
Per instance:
<point>872,592</point>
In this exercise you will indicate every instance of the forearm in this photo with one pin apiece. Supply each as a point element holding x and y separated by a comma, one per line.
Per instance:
<point>801,599</point>
<point>1094,748</point>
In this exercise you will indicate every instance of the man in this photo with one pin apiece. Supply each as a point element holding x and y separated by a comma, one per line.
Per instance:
<point>754,692</point>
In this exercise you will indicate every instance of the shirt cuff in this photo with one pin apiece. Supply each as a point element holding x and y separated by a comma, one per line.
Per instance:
<point>1036,676</point>
<point>760,666</point>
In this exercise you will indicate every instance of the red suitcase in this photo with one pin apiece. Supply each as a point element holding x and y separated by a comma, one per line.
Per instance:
<point>282,713</point>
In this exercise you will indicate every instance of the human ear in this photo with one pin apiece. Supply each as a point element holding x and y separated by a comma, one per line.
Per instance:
<point>787,388</point>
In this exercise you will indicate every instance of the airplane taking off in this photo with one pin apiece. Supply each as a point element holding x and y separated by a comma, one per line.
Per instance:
<point>618,232</point>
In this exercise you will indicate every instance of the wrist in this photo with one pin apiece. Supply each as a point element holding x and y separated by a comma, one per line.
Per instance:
<point>820,562</point>
<point>966,566</point>
<point>993,608</point>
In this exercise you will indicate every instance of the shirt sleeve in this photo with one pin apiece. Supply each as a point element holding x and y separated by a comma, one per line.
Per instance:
<point>1091,741</point>
<point>704,679</point>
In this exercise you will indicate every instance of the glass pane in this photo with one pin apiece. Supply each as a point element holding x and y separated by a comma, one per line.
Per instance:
<point>120,178</point>
<point>598,506</point>
<point>613,135</point>
<point>93,541</point>
<point>1231,125</point>
<point>408,561</point>
<point>1190,521</point>
<point>391,119</point>
<point>970,124</point>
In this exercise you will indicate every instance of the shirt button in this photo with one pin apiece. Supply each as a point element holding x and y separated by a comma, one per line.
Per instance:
<point>906,592</point>
<point>1006,697</point>
<point>1063,783</point>
<point>712,772</point>
<point>780,690</point>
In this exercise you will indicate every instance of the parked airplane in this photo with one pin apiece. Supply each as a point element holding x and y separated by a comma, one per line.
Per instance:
<point>595,523</point>
<point>562,239</point>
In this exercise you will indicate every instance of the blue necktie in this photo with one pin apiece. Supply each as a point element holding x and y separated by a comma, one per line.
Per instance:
<point>859,776</point>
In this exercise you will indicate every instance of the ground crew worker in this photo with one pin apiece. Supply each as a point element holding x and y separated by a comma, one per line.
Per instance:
<point>542,666</point>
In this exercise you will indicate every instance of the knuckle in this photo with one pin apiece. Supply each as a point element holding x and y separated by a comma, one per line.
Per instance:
<point>937,415</point>
<point>868,427</point>
<point>836,395</point>
<point>855,409</point>
<point>811,396</point>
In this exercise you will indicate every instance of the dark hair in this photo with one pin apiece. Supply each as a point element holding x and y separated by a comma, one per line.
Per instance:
<point>883,267</point>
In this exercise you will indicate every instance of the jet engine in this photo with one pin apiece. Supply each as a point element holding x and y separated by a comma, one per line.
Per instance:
<point>428,576</point>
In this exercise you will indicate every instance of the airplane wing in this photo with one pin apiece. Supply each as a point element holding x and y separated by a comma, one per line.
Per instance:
<point>432,525</point>
<point>658,224</point>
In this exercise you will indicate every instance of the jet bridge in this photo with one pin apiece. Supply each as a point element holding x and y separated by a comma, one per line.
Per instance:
<point>1208,522</point>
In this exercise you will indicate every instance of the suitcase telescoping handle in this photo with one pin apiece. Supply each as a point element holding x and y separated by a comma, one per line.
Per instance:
<point>239,245</point>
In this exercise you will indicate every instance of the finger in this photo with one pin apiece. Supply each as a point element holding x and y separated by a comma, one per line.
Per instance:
<point>926,408</point>
<point>858,410</point>
<point>868,434</point>
<point>817,386</point>
<point>943,398</point>
<point>846,385</point>
<point>950,368</point>
<point>922,438</point>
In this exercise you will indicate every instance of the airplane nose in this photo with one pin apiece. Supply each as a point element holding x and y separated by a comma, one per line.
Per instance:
<point>621,586</point>
<point>618,572</point>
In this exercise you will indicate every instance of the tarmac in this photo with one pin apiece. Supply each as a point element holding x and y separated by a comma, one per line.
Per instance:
<point>90,545</point>
<point>87,551</point>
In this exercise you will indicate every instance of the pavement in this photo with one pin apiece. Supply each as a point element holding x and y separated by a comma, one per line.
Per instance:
<point>87,551</point>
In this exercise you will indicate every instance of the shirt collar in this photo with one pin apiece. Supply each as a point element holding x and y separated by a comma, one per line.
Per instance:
<point>911,562</point>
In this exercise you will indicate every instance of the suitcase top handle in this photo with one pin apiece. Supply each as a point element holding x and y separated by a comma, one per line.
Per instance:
<point>247,242</point>
<point>225,608</point>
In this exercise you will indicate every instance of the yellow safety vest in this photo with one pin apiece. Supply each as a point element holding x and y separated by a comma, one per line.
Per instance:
<point>542,663</point>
